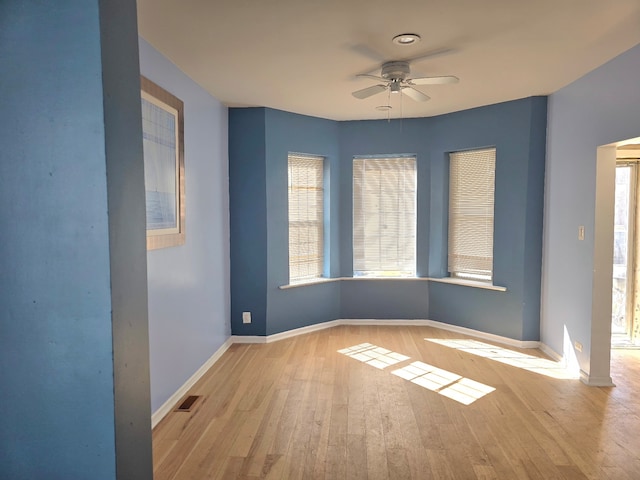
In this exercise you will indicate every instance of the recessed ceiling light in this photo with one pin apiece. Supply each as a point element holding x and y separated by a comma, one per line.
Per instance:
<point>384,108</point>
<point>406,39</point>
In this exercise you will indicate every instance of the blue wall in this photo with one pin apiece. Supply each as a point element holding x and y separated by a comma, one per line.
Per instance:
<point>516,128</point>
<point>189,293</point>
<point>259,142</point>
<point>386,299</point>
<point>379,137</point>
<point>248,214</point>
<point>73,324</point>
<point>293,308</point>
<point>600,108</point>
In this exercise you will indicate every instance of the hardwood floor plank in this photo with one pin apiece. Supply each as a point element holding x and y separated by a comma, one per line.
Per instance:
<point>258,458</point>
<point>441,466</point>
<point>570,472</point>
<point>398,464</point>
<point>299,409</point>
<point>485,472</point>
<point>356,457</point>
<point>377,467</point>
<point>336,462</point>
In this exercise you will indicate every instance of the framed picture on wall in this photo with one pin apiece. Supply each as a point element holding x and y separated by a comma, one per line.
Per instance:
<point>163,145</point>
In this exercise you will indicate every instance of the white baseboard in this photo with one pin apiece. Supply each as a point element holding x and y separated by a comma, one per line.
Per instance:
<point>248,339</point>
<point>386,322</point>
<point>451,328</point>
<point>302,330</point>
<point>182,391</point>
<point>550,352</point>
<point>282,335</point>
<point>486,336</point>
<point>418,323</point>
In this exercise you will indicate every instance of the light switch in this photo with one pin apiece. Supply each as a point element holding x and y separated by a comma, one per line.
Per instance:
<point>581,232</point>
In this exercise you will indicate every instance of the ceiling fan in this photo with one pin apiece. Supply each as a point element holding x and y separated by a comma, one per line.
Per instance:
<point>394,77</point>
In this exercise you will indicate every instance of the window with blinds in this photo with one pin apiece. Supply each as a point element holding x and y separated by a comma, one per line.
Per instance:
<point>384,217</point>
<point>471,191</point>
<point>306,217</point>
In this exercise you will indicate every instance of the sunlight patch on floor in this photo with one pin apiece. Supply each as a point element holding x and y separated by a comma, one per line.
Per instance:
<point>456,387</point>
<point>373,355</point>
<point>448,384</point>
<point>524,361</point>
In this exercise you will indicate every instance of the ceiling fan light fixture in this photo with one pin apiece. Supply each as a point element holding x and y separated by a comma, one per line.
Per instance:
<point>406,39</point>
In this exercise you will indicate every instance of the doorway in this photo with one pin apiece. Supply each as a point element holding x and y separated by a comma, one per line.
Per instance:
<point>625,281</point>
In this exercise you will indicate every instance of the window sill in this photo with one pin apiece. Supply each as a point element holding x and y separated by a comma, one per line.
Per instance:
<point>469,283</point>
<point>317,281</point>
<point>314,281</point>
<point>453,281</point>
<point>385,278</point>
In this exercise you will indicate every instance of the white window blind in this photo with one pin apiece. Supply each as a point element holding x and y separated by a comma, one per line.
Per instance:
<point>306,217</point>
<point>471,192</point>
<point>384,216</point>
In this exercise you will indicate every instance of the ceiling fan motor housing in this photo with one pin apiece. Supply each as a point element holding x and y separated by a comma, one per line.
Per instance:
<point>395,70</point>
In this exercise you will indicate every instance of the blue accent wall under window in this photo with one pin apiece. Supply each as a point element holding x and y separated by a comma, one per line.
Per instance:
<point>516,129</point>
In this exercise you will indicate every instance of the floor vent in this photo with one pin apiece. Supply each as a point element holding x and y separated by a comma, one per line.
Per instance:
<point>187,403</point>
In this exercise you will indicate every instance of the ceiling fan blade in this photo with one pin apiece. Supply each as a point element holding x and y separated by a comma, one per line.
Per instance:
<point>369,91</point>
<point>433,80</point>
<point>414,94</point>
<point>366,75</point>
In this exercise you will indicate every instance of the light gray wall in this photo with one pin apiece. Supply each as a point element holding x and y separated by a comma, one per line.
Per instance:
<point>189,294</point>
<point>600,108</point>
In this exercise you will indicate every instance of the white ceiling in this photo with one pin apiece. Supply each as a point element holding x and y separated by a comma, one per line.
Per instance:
<point>302,55</point>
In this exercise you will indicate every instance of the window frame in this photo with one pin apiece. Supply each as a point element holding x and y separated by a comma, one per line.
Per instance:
<point>359,223</point>
<point>319,222</point>
<point>468,214</point>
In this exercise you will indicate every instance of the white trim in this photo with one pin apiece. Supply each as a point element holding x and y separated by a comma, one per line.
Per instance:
<point>598,361</point>
<point>453,281</point>
<point>387,322</point>
<point>405,279</point>
<point>550,352</point>
<point>595,381</point>
<point>282,335</point>
<point>302,330</point>
<point>315,281</point>
<point>485,336</point>
<point>167,406</point>
<point>248,339</point>
<point>468,283</point>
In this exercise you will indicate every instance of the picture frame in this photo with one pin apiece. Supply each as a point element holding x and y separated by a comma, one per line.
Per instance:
<point>163,146</point>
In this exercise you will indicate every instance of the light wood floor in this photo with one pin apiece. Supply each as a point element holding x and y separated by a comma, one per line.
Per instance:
<point>299,409</point>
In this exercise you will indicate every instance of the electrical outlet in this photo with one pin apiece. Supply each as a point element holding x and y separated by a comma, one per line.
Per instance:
<point>581,232</point>
<point>578,346</point>
<point>246,317</point>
